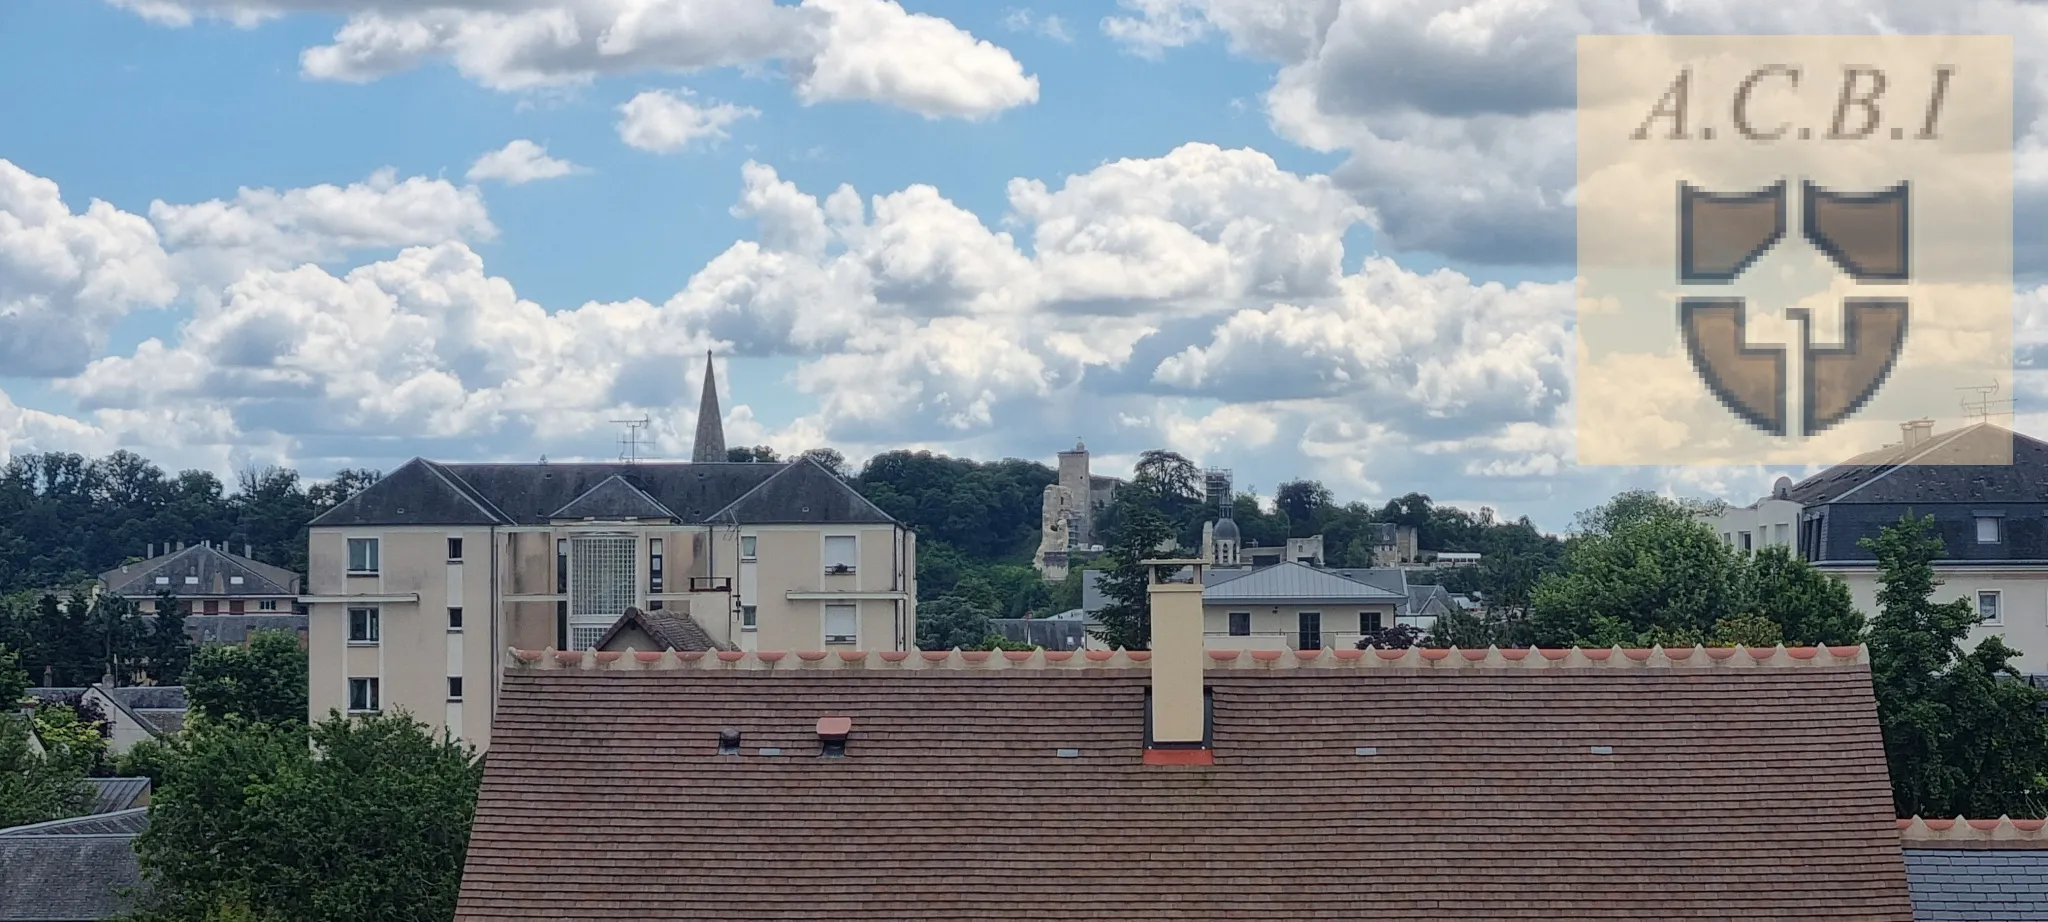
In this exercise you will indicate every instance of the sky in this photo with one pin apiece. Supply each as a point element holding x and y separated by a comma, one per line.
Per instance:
<point>1325,239</point>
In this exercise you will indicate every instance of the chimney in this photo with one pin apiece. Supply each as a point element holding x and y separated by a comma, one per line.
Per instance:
<point>181,545</point>
<point>49,676</point>
<point>1177,717</point>
<point>1917,432</point>
<point>152,551</point>
<point>248,550</point>
<point>832,734</point>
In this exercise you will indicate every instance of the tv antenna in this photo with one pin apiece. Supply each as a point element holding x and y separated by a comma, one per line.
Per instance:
<point>1983,405</point>
<point>629,444</point>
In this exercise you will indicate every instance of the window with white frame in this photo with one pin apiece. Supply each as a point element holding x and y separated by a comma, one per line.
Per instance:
<point>455,688</point>
<point>454,619</point>
<point>749,618</point>
<point>748,545</point>
<point>1369,621</point>
<point>1987,605</point>
<point>1744,536</point>
<point>163,580</point>
<point>604,579</point>
<point>842,624</point>
<point>234,581</point>
<point>1240,624</point>
<point>191,580</point>
<point>1988,528</point>
<point>363,694</point>
<point>654,565</point>
<point>362,625</point>
<point>362,555</point>
<point>266,605</point>
<point>840,551</point>
<point>1781,534</point>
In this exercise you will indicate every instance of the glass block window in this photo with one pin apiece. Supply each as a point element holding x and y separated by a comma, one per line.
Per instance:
<point>603,582</point>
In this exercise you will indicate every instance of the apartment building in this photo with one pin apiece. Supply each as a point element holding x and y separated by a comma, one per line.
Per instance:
<point>206,578</point>
<point>1985,486</point>
<point>418,584</point>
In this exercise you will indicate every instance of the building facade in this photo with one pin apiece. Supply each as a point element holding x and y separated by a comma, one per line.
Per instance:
<point>207,579</point>
<point>417,584</point>
<point>1992,519</point>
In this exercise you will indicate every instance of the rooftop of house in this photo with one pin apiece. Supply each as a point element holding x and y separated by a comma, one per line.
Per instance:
<point>1976,870</point>
<point>116,794</point>
<point>1346,784</point>
<point>670,630</point>
<point>159,709</point>
<point>197,571</point>
<point>71,870</point>
<point>1958,466</point>
<point>423,492</point>
<point>1283,582</point>
<point>235,629</point>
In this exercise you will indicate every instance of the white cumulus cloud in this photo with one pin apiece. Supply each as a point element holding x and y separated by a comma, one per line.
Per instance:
<point>520,161</point>
<point>664,122</point>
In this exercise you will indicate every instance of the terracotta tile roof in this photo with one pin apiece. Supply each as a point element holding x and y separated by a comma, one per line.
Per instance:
<point>2003,832</point>
<point>1354,785</point>
<point>673,630</point>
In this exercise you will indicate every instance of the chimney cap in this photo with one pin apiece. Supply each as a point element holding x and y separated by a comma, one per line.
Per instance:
<point>835,726</point>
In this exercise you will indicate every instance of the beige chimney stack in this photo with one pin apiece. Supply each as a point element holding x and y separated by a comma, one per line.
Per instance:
<point>1917,432</point>
<point>1180,714</point>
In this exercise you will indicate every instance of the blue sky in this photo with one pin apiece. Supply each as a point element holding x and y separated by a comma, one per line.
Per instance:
<point>1189,301</point>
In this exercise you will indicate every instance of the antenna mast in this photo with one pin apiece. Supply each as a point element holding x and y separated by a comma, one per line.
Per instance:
<point>629,444</point>
<point>1983,406</point>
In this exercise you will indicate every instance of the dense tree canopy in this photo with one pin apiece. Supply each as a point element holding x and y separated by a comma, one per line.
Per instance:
<point>1963,734</point>
<point>369,823</point>
<point>264,682</point>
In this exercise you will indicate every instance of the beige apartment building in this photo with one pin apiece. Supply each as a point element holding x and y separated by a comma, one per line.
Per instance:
<point>418,584</point>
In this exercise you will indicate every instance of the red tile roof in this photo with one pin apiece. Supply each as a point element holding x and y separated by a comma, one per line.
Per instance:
<point>1563,784</point>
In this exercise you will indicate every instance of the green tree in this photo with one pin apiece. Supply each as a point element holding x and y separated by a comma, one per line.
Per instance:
<point>1809,606</point>
<point>169,648</point>
<point>752,453</point>
<point>1963,733</point>
<point>370,823</point>
<point>13,681</point>
<point>264,682</point>
<point>1142,532</point>
<point>1641,569</point>
<point>951,622</point>
<point>37,787</point>
<point>1304,502</point>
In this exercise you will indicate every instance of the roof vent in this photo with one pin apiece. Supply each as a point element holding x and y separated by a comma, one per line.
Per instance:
<point>1603,750</point>
<point>771,750</point>
<point>728,742</point>
<point>1367,750</point>
<point>1070,753</point>
<point>832,733</point>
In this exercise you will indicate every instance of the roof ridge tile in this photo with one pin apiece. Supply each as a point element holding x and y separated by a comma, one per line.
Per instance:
<point>1976,833</point>
<point>1654,658</point>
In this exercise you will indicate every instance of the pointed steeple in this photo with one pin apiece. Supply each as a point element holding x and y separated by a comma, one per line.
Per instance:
<point>710,444</point>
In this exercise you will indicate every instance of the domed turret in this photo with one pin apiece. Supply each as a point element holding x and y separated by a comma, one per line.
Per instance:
<point>1781,489</point>
<point>1226,530</point>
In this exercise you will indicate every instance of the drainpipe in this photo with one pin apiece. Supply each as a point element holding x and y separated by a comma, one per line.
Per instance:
<point>496,659</point>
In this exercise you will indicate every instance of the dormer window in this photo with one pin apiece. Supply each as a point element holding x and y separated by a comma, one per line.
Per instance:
<point>1990,528</point>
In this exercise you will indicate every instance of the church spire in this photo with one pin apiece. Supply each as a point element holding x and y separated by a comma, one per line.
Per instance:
<point>710,444</point>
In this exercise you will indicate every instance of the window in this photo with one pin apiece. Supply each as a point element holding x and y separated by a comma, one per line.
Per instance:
<point>455,553</point>
<point>604,581</point>
<point>266,605</point>
<point>163,580</point>
<point>748,619</point>
<point>191,580</point>
<point>1781,534</point>
<point>1240,624</point>
<point>362,555</point>
<point>561,565</point>
<point>362,694</point>
<point>455,688</point>
<point>362,625</point>
<point>1987,605</point>
<point>1728,538</point>
<point>747,546</point>
<point>654,565</point>
<point>561,625</point>
<point>212,606</point>
<point>1745,542</point>
<point>234,581</point>
<point>1369,621</point>
<point>454,619</point>
<point>1311,631</point>
<point>234,606</point>
<point>1987,529</point>
<point>842,624</point>
<point>839,553</point>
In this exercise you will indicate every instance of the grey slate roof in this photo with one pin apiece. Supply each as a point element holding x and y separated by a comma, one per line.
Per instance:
<point>120,822</point>
<point>1392,579</point>
<point>1978,884</point>
<point>674,630</point>
<point>235,629</point>
<point>157,708</point>
<point>612,500</point>
<point>1427,600</point>
<point>76,870</point>
<point>423,492</point>
<point>213,567</point>
<point>117,794</point>
<point>1291,581</point>
<point>1882,477</point>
